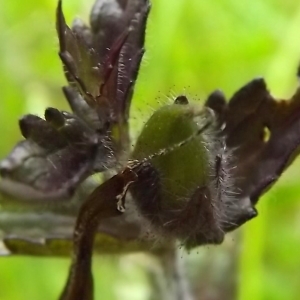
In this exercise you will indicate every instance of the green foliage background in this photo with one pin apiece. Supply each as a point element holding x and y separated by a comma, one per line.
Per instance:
<point>193,47</point>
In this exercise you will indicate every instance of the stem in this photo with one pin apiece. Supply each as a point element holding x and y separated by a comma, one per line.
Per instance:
<point>100,205</point>
<point>169,281</point>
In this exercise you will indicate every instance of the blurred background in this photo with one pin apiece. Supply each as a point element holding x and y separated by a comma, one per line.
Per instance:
<point>193,47</point>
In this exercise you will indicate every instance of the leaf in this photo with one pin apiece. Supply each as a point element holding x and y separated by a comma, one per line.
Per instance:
<point>57,155</point>
<point>63,150</point>
<point>47,230</point>
<point>102,62</point>
<point>60,152</point>
<point>264,135</point>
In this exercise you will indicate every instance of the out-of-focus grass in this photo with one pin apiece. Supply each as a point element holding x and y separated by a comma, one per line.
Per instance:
<point>194,47</point>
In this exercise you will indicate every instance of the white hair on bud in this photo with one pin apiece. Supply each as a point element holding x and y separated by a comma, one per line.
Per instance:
<point>225,200</point>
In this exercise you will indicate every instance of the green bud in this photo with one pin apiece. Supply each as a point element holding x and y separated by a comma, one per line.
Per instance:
<point>174,186</point>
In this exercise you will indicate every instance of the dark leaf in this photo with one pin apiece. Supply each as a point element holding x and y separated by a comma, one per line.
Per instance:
<point>101,67</point>
<point>103,62</point>
<point>57,155</point>
<point>47,230</point>
<point>263,135</point>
